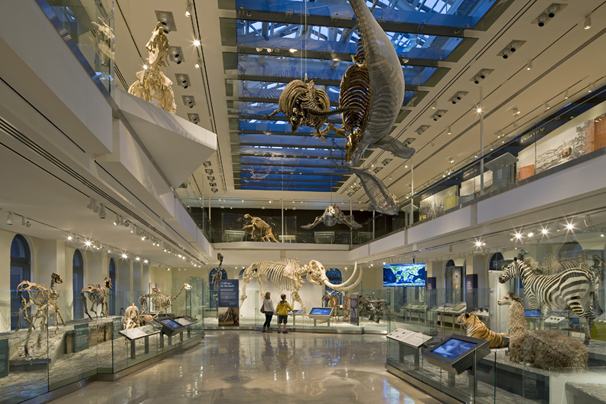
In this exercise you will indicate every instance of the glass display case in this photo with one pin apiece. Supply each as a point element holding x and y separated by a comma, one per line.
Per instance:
<point>38,360</point>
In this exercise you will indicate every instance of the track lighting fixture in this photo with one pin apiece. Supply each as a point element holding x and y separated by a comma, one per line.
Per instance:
<point>25,222</point>
<point>448,131</point>
<point>196,42</point>
<point>9,219</point>
<point>587,23</point>
<point>515,111</point>
<point>566,94</point>
<point>69,237</point>
<point>541,20</point>
<point>92,206</point>
<point>126,223</point>
<point>529,65</point>
<point>102,213</point>
<point>124,256</point>
<point>434,105</point>
<point>133,228</point>
<point>547,106</point>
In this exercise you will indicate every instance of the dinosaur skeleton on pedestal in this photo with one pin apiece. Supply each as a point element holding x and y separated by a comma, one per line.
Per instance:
<point>289,276</point>
<point>370,99</point>
<point>161,302</point>
<point>45,299</point>
<point>98,297</point>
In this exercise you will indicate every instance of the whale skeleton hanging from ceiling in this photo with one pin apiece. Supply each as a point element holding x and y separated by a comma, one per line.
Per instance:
<point>370,99</point>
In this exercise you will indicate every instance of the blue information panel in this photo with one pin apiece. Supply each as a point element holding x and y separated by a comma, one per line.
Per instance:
<point>228,293</point>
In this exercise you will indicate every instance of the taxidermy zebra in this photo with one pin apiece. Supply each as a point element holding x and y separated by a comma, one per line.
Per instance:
<point>575,288</point>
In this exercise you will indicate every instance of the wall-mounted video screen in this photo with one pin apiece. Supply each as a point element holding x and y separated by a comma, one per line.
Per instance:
<point>320,311</point>
<point>453,348</point>
<point>404,275</point>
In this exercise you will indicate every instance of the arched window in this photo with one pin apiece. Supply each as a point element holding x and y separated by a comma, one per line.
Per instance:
<point>494,261</point>
<point>213,289</point>
<point>78,283</point>
<point>112,291</point>
<point>335,277</point>
<point>570,251</point>
<point>450,263</point>
<point>21,261</point>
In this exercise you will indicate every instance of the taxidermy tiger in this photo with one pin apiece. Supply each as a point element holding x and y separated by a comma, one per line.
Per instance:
<point>477,329</point>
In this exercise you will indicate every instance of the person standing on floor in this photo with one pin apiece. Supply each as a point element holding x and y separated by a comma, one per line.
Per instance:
<point>268,309</point>
<point>283,309</point>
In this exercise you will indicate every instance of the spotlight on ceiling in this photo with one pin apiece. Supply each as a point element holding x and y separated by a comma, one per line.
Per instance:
<point>102,213</point>
<point>458,96</point>
<point>189,101</point>
<point>587,24</point>
<point>448,131</point>
<point>439,114</point>
<point>25,222</point>
<point>176,54</point>
<point>124,256</point>
<point>541,20</point>
<point>183,80</point>
<point>529,65</point>
<point>569,226</point>
<point>9,219</point>
<point>543,231</point>
<point>481,75</point>
<point>92,206</point>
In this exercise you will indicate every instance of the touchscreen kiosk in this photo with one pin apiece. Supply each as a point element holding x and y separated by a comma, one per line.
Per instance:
<point>321,313</point>
<point>170,327</point>
<point>456,353</point>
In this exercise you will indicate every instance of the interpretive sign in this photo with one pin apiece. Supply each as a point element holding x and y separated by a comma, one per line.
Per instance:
<point>229,304</point>
<point>80,337</point>
<point>410,338</point>
<point>228,293</point>
<point>3,358</point>
<point>354,306</point>
<point>133,333</point>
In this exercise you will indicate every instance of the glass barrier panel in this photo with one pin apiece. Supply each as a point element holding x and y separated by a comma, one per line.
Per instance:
<point>23,372</point>
<point>90,25</point>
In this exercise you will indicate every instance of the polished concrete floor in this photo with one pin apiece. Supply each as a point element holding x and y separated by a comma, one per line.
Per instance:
<point>253,367</point>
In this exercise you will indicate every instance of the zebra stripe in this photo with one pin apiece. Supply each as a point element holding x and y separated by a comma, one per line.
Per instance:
<point>575,287</point>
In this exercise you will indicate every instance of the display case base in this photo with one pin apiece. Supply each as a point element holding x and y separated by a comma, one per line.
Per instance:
<point>437,394</point>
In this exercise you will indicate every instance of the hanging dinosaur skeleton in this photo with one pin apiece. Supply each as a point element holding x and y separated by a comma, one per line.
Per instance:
<point>161,302</point>
<point>289,276</point>
<point>370,99</point>
<point>97,296</point>
<point>333,215</point>
<point>45,299</point>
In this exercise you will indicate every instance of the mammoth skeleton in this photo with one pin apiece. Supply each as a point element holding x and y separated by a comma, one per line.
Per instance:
<point>289,276</point>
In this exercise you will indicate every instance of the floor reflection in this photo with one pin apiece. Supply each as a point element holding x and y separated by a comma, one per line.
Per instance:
<point>248,366</point>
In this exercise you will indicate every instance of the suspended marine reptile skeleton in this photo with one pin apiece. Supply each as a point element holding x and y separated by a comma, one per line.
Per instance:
<point>289,276</point>
<point>331,216</point>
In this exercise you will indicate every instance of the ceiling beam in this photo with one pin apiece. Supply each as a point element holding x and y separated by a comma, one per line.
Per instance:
<point>326,21</point>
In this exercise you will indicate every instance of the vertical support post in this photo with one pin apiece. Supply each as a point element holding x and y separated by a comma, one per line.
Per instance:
<point>209,209</point>
<point>188,332</point>
<point>412,193</point>
<point>282,203</point>
<point>481,108</point>
<point>181,336</point>
<point>170,340</point>
<point>451,379</point>
<point>133,354</point>
<point>417,358</point>
<point>350,230</point>
<point>373,223</point>
<point>473,379</point>
<point>147,344</point>
<point>161,336</point>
